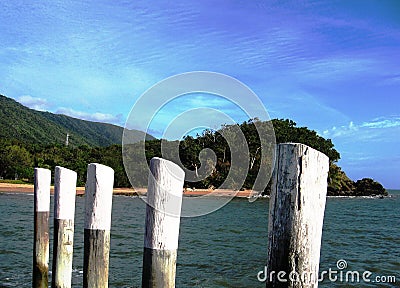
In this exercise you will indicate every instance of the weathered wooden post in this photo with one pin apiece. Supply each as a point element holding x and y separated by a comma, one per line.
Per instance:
<point>64,212</point>
<point>296,213</point>
<point>163,210</point>
<point>98,205</point>
<point>41,228</point>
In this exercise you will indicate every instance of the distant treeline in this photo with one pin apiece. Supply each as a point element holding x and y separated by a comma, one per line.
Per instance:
<point>17,160</point>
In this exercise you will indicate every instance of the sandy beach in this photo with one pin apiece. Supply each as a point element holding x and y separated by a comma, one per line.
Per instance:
<point>28,188</point>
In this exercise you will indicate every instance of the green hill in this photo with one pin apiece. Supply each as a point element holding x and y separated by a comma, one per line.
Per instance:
<point>45,128</point>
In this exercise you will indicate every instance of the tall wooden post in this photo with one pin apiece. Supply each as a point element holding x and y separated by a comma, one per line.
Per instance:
<point>41,228</point>
<point>98,205</point>
<point>163,210</point>
<point>64,212</point>
<point>296,213</point>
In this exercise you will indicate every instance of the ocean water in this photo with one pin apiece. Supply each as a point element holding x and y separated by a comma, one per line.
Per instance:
<point>226,248</point>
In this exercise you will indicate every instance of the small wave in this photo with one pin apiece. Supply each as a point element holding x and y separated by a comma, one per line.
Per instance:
<point>16,193</point>
<point>359,197</point>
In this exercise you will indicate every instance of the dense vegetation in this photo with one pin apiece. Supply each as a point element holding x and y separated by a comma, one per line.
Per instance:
<point>44,128</point>
<point>17,159</point>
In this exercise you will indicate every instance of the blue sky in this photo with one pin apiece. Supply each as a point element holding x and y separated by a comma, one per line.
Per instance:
<point>332,66</point>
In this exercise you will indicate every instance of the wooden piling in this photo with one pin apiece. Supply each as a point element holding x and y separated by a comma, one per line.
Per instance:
<point>163,210</point>
<point>98,205</point>
<point>64,212</point>
<point>296,213</point>
<point>41,228</point>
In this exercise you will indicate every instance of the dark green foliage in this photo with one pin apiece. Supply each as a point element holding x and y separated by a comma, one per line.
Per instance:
<point>369,187</point>
<point>190,151</point>
<point>338,182</point>
<point>286,131</point>
<point>44,128</point>
<point>19,160</point>
<point>15,162</point>
<point>40,144</point>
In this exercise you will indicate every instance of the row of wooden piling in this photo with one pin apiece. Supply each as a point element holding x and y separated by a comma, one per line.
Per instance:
<point>98,201</point>
<point>161,231</point>
<point>296,213</point>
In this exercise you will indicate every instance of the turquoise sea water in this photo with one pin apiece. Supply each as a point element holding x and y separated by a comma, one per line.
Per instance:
<point>226,248</point>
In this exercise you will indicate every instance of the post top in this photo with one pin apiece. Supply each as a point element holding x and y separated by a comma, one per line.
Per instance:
<point>101,167</point>
<point>61,167</point>
<point>45,170</point>
<point>42,189</point>
<point>64,170</point>
<point>173,168</point>
<point>98,196</point>
<point>306,147</point>
<point>64,193</point>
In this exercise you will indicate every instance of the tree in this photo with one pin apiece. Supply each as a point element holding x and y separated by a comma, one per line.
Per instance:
<point>369,187</point>
<point>16,162</point>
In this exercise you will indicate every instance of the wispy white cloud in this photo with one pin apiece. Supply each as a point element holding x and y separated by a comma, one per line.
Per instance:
<point>382,122</point>
<point>335,68</point>
<point>97,117</point>
<point>368,130</point>
<point>305,108</point>
<point>368,149</point>
<point>391,80</point>
<point>36,103</point>
<point>343,130</point>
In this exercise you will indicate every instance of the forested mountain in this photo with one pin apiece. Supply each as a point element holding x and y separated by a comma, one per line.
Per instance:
<point>44,128</point>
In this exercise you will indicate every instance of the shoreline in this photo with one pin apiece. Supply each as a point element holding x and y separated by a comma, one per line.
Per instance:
<point>80,191</point>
